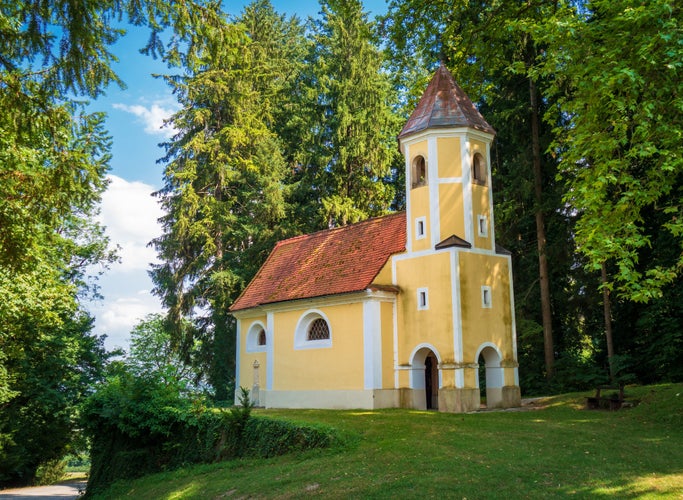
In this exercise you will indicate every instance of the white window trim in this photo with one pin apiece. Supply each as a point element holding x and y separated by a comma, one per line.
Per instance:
<point>486,297</point>
<point>252,344</point>
<point>301,331</point>
<point>423,221</point>
<point>482,226</point>
<point>422,293</point>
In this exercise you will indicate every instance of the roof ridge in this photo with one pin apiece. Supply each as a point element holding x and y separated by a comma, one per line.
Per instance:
<point>330,230</point>
<point>327,262</point>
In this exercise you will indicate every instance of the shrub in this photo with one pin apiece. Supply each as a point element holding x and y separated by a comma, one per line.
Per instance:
<point>139,426</point>
<point>264,437</point>
<point>50,472</point>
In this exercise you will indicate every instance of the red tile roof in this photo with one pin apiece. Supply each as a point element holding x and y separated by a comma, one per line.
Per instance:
<point>444,104</point>
<point>340,260</point>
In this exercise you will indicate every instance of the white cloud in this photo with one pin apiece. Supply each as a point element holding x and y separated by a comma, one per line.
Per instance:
<point>116,316</point>
<point>152,117</point>
<point>130,214</point>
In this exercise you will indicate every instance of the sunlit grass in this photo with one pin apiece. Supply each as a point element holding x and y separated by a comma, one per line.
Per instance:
<point>559,451</point>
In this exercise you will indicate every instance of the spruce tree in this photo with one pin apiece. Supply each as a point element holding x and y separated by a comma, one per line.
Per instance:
<point>349,146</point>
<point>223,194</point>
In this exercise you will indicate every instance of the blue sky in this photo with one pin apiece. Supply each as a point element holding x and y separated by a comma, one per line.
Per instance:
<point>134,119</point>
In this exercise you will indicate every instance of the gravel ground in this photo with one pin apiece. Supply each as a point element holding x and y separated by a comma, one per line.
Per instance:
<point>63,491</point>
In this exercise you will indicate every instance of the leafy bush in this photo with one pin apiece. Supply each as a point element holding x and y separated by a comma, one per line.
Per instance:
<point>50,472</point>
<point>264,437</point>
<point>142,425</point>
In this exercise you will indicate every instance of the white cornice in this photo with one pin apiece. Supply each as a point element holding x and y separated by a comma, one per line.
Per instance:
<point>318,302</point>
<point>462,132</point>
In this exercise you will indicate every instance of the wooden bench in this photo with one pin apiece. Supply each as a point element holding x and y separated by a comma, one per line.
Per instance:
<point>612,402</point>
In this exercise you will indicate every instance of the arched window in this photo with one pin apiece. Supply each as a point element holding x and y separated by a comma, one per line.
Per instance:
<point>256,338</point>
<point>318,330</point>
<point>479,169</point>
<point>313,331</point>
<point>419,171</point>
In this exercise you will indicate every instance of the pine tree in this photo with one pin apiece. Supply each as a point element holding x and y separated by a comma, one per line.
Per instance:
<point>347,154</point>
<point>223,195</point>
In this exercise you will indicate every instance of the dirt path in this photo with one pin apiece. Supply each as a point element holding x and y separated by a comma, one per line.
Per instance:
<point>63,491</point>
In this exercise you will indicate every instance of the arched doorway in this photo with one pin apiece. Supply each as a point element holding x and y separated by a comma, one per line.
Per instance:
<point>432,382</point>
<point>490,375</point>
<point>424,379</point>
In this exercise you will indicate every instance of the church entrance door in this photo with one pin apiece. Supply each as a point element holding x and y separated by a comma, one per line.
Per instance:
<point>432,381</point>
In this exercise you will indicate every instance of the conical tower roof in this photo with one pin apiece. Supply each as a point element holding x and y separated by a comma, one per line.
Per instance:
<point>444,104</point>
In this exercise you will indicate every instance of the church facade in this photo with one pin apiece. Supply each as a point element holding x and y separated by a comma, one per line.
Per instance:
<point>414,309</point>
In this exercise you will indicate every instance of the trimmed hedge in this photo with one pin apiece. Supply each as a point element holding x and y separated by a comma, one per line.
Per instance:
<point>135,437</point>
<point>265,437</point>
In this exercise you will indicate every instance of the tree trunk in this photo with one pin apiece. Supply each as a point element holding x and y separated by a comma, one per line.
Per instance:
<point>607,308</point>
<point>549,349</point>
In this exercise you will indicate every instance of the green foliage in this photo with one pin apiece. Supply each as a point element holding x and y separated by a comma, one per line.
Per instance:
<point>51,371</point>
<point>223,195</point>
<point>152,352</point>
<point>619,90</point>
<point>142,425</point>
<point>51,472</point>
<point>264,437</point>
<point>349,148</point>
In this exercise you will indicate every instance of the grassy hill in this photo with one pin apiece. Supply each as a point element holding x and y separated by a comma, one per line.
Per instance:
<point>553,449</point>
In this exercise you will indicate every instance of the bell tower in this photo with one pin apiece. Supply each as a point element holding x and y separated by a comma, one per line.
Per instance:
<point>457,298</point>
<point>446,144</point>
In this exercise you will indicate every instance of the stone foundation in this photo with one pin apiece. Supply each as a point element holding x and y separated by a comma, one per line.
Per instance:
<point>458,400</point>
<point>512,396</point>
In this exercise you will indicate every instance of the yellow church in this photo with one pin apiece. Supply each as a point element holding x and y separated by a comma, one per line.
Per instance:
<point>399,311</point>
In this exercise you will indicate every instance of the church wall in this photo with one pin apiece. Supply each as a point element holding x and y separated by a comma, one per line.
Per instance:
<point>384,276</point>
<point>246,368</point>
<point>419,207</point>
<point>418,149</point>
<point>481,324</point>
<point>433,324</point>
<point>451,211</point>
<point>481,201</point>
<point>387,318</point>
<point>481,207</point>
<point>450,165</point>
<point>339,367</point>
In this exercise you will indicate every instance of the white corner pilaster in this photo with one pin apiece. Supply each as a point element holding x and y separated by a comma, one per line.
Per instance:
<point>270,341</point>
<point>372,345</point>
<point>433,181</point>
<point>238,354</point>
<point>466,161</point>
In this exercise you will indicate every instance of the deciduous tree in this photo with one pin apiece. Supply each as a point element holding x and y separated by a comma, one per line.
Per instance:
<point>53,161</point>
<point>620,73</point>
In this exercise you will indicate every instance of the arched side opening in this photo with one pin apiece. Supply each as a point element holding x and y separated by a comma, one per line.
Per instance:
<point>490,375</point>
<point>479,169</point>
<point>425,378</point>
<point>419,172</point>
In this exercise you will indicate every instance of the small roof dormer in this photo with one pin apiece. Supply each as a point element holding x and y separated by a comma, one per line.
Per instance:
<point>444,105</point>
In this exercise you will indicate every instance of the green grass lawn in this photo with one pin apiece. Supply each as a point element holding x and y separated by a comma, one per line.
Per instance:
<point>556,451</point>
